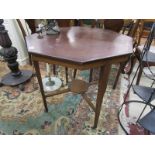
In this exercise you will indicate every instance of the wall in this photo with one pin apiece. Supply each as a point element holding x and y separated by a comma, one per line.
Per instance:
<point>17,40</point>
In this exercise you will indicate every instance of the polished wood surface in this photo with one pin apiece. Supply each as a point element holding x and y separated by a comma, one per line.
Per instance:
<point>81,48</point>
<point>80,44</point>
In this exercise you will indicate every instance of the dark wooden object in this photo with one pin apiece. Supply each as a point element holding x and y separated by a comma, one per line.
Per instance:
<point>113,24</point>
<point>31,23</point>
<point>70,49</point>
<point>64,22</point>
<point>16,76</point>
<point>143,31</point>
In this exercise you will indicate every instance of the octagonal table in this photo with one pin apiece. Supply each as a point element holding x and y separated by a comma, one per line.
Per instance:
<point>80,48</point>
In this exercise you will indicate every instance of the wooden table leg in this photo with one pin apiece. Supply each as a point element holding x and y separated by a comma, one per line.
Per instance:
<point>66,73</point>
<point>91,75</point>
<point>54,69</point>
<point>74,73</point>
<point>102,85</point>
<point>37,69</point>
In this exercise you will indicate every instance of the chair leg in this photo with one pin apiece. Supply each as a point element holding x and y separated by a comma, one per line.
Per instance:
<point>66,73</point>
<point>133,62</point>
<point>54,70</point>
<point>30,59</point>
<point>139,75</point>
<point>146,132</point>
<point>91,75</point>
<point>74,74</point>
<point>117,77</point>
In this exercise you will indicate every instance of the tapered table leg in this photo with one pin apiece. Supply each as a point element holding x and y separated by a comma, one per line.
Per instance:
<point>74,73</point>
<point>117,77</point>
<point>66,73</point>
<point>91,75</point>
<point>37,69</point>
<point>54,69</point>
<point>102,85</point>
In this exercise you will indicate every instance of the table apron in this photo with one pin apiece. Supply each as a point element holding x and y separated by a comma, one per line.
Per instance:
<point>84,66</point>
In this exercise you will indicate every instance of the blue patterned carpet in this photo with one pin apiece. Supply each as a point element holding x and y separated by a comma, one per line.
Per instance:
<point>22,112</point>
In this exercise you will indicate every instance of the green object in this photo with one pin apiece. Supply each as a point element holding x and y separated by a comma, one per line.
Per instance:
<point>1,51</point>
<point>87,21</point>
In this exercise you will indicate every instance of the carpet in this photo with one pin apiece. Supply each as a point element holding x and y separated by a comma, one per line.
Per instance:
<point>22,112</point>
<point>130,112</point>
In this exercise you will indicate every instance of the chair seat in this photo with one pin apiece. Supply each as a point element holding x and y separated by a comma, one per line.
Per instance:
<point>150,57</point>
<point>148,121</point>
<point>152,48</point>
<point>151,54</point>
<point>144,92</point>
<point>148,61</point>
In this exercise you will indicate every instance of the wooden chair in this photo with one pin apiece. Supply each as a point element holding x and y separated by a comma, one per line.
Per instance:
<point>143,29</point>
<point>128,23</point>
<point>31,23</point>
<point>132,33</point>
<point>114,24</point>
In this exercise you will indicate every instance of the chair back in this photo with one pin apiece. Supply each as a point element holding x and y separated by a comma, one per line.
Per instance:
<point>21,28</point>
<point>134,28</point>
<point>64,22</point>
<point>114,24</point>
<point>89,22</point>
<point>132,32</point>
<point>149,40</point>
<point>24,27</point>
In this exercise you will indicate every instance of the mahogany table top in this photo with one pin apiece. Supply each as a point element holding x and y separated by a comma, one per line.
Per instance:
<point>81,45</point>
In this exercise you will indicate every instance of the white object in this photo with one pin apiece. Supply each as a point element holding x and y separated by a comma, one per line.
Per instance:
<point>48,69</point>
<point>51,85</point>
<point>17,39</point>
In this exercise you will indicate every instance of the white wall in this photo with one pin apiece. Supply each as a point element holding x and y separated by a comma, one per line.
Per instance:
<point>17,40</point>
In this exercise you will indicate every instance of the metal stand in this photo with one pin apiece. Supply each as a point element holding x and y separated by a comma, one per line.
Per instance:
<point>9,53</point>
<point>51,83</point>
<point>147,94</point>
